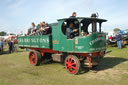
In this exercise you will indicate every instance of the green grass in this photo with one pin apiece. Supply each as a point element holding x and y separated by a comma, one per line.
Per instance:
<point>16,70</point>
<point>122,53</point>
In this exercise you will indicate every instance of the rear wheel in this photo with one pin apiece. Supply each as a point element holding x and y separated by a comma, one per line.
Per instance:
<point>35,58</point>
<point>72,64</point>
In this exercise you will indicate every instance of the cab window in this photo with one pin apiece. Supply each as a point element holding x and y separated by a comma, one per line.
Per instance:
<point>69,28</point>
<point>88,27</point>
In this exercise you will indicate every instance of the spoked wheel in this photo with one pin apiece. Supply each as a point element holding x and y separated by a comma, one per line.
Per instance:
<point>35,58</point>
<point>72,64</point>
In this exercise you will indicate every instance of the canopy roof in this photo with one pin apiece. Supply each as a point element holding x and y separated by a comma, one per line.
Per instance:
<point>89,19</point>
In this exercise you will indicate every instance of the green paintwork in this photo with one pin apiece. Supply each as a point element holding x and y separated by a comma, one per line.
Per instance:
<point>34,41</point>
<point>90,43</point>
<point>94,42</point>
<point>70,45</point>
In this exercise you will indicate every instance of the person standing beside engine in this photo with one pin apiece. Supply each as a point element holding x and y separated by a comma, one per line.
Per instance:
<point>119,40</point>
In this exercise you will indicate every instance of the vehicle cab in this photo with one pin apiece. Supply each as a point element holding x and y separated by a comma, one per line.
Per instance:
<point>88,38</point>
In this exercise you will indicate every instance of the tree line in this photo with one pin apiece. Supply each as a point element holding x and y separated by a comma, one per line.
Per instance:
<point>3,33</point>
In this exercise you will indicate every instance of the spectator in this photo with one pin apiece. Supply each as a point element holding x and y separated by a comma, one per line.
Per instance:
<point>43,28</point>
<point>47,29</point>
<point>110,38</point>
<point>119,41</point>
<point>13,45</point>
<point>38,29</point>
<point>10,44</point>
<point>33,28</point>
<point>29,31</point>
<point>1,46</point>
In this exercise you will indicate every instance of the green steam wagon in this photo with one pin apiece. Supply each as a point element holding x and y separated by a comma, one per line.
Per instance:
<point>88,47</point>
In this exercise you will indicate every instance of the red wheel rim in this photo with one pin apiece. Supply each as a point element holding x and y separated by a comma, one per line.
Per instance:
<point>32,58</point>
<point>71,65</point>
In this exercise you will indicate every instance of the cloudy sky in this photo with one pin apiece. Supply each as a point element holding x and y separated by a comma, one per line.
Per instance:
<point>17,15</point>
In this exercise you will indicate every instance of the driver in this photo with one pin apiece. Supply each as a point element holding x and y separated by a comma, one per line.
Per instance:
<point>70,32</point>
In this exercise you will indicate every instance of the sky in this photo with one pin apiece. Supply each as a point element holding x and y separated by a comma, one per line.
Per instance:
<point>16,16</point>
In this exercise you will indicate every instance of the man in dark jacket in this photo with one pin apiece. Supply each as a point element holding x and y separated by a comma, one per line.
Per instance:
<point>70,31</point>
<point>119,40</point>
<point>1,46</point>
<point>10,44</point>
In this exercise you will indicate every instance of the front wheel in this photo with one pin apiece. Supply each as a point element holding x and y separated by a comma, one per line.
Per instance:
<point>72,64</point>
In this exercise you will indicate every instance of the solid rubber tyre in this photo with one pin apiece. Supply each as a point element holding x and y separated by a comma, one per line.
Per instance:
<point>35,58</point>
<point>72,64</point>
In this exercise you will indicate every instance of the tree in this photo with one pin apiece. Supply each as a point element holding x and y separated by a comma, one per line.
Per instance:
<point>3,33</point>
<point>12,34</point>
<point>116,30</point>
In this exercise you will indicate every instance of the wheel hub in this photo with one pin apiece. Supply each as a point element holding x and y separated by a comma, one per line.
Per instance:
<point>32,58</point>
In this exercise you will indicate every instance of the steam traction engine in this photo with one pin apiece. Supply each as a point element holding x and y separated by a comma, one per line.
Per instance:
<point>87,47</point>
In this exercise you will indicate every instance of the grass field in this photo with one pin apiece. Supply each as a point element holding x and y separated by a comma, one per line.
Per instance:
<point>16,70</point>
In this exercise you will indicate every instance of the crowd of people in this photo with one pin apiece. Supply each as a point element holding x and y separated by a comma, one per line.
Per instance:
<point>43,28</point>
<point>10,43</point>
<point>118,39</point>
<point>40,29</point>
